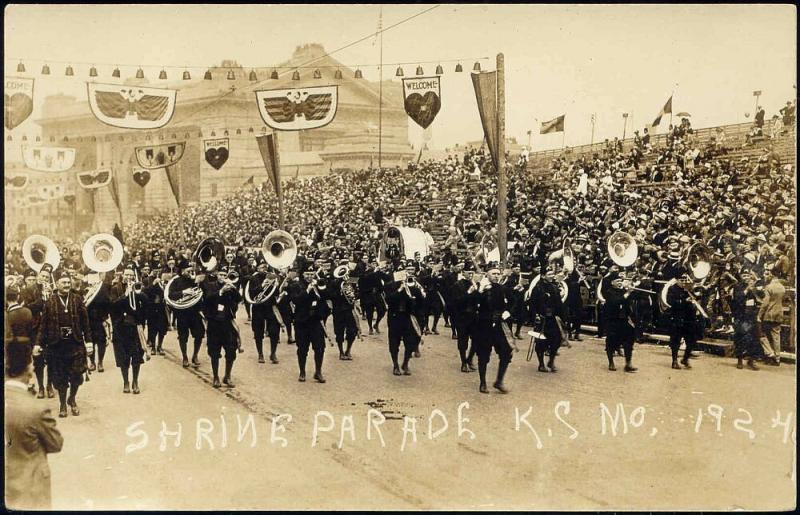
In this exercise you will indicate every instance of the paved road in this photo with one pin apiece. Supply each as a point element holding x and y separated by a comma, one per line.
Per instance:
<point>660,458</point>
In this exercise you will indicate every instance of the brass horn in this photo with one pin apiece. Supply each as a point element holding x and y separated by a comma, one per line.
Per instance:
<point>341,271</point>
<point>279,249</point>
<point>622,249</point>
<point>210,254</point>
<point>698,260</point>
<point>102,252</point>
<point>38,250</point>
<point>567,256</point>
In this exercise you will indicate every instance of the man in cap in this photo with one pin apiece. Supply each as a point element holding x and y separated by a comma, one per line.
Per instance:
<point>371,286</point>
<point>189,319</point>
<point>547,303</point>
<point>220,301</point>
<point>465,307</point>
<point>686,318</point>
<point>402,297</point>
<point>620,325</point>
<point>744,308</point>
<point>493,306</point>
<point>127,303</point>
<point>65,339</point>
<point>770,315</point>
<point>309,310</point>
<point>155,313</point>
<point>34,297</point>
<point>265,313</point>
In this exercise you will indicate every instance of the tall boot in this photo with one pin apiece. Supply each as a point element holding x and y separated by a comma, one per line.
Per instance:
<point>215,372</point>
<point>182,345</point>
<point>406,359</point>
<point>196,352</point>
<point>540,357</point>
<point>470,357</point>
<point>628,359</point>
<point>40,381</point>
<point>126,387</point>
<point>501,372</point>
<point>135,383</point>
<point>318,357</point>
<point>260,350</point>
<point>73,393</point>
<point>610,354</point>
<point>341,349</point>
<point>161,344</point>
<point>551,362</point>
<point>435,323</point>
<point>101,353</point>
<point>228,368</point>
<point>347,350</point>
<point>62,399</point>
<point>482,373</point>
<point>396,367</point>
<point>273,349</point>
<point>675,358</point>
<point>301,364</point>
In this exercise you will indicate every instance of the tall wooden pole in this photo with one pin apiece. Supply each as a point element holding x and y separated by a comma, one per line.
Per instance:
<point>502,180</point>
<point>380,92</point>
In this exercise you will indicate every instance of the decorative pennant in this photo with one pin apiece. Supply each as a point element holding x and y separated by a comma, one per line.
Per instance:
<point>131,107</point>
<point>268,146</point>
<point>216,151</point>
<point>94,179</point>
<point>48,159</point>
<point>159,156</point>
<point>16,181</point>
<point>485,85</point>
<point>298,109</point>
<point>141,176</point>
<point>18,101</point>
<point>422,98</point>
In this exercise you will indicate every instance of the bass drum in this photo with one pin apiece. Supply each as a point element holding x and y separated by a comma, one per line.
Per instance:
<point>410,240</point>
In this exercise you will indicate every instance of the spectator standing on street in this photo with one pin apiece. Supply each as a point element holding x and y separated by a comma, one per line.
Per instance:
<point>770,316</point>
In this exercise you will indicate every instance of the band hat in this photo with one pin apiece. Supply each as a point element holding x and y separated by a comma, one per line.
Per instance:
<point>183,264</point>
<point>61,274</point>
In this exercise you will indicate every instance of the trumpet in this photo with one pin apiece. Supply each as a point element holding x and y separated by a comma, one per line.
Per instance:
<point>631,286</point>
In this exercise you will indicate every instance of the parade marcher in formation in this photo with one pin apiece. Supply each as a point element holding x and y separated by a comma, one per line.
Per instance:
<point>343,296</point>
<point>34,296</point>
<point>431,283</point>
<point>220,301</point>
<point>412,269</point>
<point>402,299</point>
<point>744,307</point>
<point>546,299</point>
<point>99,310</point>
<point>493,311</point>
<point>127,313</point>
<point>519,309</point>
<point>685,319</point>
<point>770,315</point>
<point>574,304</point>
<point>265,312</point>
<point>465,307</point>
<point>18,320</point>
<point>620,324</point>
<point>189,320</point>
<point>155,313</point>
<point>65,339</point>
<point>449,279</point>
<point>373,305</point>
<point>309,309</point>
<point>30,433</point>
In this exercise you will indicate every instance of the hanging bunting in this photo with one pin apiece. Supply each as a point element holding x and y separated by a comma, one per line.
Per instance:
<point>114,190</point>
<point>485,85</point>
<point>18,101</point>
<point>48,159</point>
<point>216,151</point>
<point>16,181</point>
<point>141,176</point>
<point>159,156</point>
<point>94,179</point>
<point>131,107</point>
<point>423,99</point>
<point>172,178</point>
<point>268,146</point>
<point>298,109</point>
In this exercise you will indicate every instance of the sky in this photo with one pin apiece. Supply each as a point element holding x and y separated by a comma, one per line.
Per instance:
<point>560,59</point>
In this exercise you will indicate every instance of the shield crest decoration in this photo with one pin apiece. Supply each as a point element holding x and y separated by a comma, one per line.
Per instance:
<point>18,181</point>
<point>17,101</point>
<point>141,176</point>
<point>131,107</point>
<point>299,108</point>
<point>423,99</point>
<point>216,151</point>
<point>159,156</point>
<point>94,179</point>
<point>48,159</point>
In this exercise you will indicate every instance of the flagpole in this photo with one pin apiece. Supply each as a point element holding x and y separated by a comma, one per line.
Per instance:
<point>380,91</point>
<point>501,159</point>
<point>591,143</point>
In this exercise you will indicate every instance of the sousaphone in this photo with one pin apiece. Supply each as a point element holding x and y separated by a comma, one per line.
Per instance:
<point>210,254</point>
<point>38,250</point>
<point>279,249</point>
<point>623,251</point>
<point>101,253</point>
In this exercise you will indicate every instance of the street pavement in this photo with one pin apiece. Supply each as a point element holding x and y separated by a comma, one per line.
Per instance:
<point>712,438</point>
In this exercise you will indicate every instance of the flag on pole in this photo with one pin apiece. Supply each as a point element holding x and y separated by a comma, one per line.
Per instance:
<point>667,109</point>
<point>113,189</point>
<point>554,125</point>
<point>172,178</point>
<point>485,84</point>
<point>117,233</point>
<point>268,145</point>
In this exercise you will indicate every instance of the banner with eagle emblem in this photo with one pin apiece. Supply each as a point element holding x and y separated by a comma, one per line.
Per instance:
<point>298,109</point>
<point>216,151</point>
<point>18,101</point>
<point>93,179</point>
<point>159,156</point>
<point>48,159</point>
<point>16,181</point>
<point>141,176</point>
<point>131,107</point>
<point>423,99</point>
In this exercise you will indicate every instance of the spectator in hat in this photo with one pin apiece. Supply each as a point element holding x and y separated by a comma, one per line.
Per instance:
<point>744,308</point>
<point>770,315</point>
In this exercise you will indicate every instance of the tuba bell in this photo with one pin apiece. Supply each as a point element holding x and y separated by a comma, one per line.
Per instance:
<point>279,249</point>
<point>403,243</point>
<point>38,250</point>
<point>101,253</point>
<point>698,260</point>
<point>622,249</point>
<point>341,272</point>
<point>565,255</point>
<point>189,296</point>
<point>210,254</point>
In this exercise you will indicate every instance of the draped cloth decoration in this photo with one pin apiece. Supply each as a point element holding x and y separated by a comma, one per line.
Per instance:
<point>485,84</point>
<point>131,107</point>
<point>298,109</point>
<point>15,181</point>
<point>268,145</point>
<point>48,159</point>
<point>113,188</point>
<point>172,178</point>
<point>151,157</point>
<point>93,179</point>
<point>17,101</point>
<point>422,99</point>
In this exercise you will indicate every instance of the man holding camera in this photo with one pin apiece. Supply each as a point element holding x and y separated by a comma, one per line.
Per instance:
<point>62,335</point>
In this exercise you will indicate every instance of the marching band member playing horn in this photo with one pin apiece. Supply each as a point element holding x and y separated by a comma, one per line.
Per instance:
<point>620,325</point>
<point>547,303</point>
<point>465,307</point>
<point>310,307</point>
<point>220,301</point>
<point>127,312</point>
<point>65,338</point>
<point>402,301</point>
<point>370,285</point>
<point>189,319</point>
<point>493,306</point>
<point>341,292</point>
<point>264,319</point>
<point>685,320</point>
<point>156,313</point>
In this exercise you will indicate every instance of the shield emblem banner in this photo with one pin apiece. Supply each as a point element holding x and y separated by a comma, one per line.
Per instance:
<point>94,179</point>
<point>131,107</point>
<point>17,181</point>
<point>48,159</point>
<point>422,99</point>
<point>159,156</point>
<point>141,176</point>
<point>298,109</point>
<point>216,151</point>
<point>18,101</point>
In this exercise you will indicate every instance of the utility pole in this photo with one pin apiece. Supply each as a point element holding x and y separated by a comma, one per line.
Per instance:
<point>624,124</point>
<point>756,94</point>
<point>593,119</point>
<point>380,91</point>
<point>502,185</point>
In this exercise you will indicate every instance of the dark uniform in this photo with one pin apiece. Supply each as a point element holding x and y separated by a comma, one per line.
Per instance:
<point>401,307</point>
<point>620,326</point>
<point>189,320</point>
<point>309,312</point>
<point>264,319</point>
<point>99,311</point>
<point>432,283</point>
<point>685,324</point>
<point>156,315</point>
<point>489,334</point>
<point>126,316</point>
<point>547,302</point>
<point>220,308</point>
<point>32,298</point>
<point>574,305</point>
<point>345,325</point>
<point>371,285</point>
<point>465,307</point>
<point>744,308</point>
